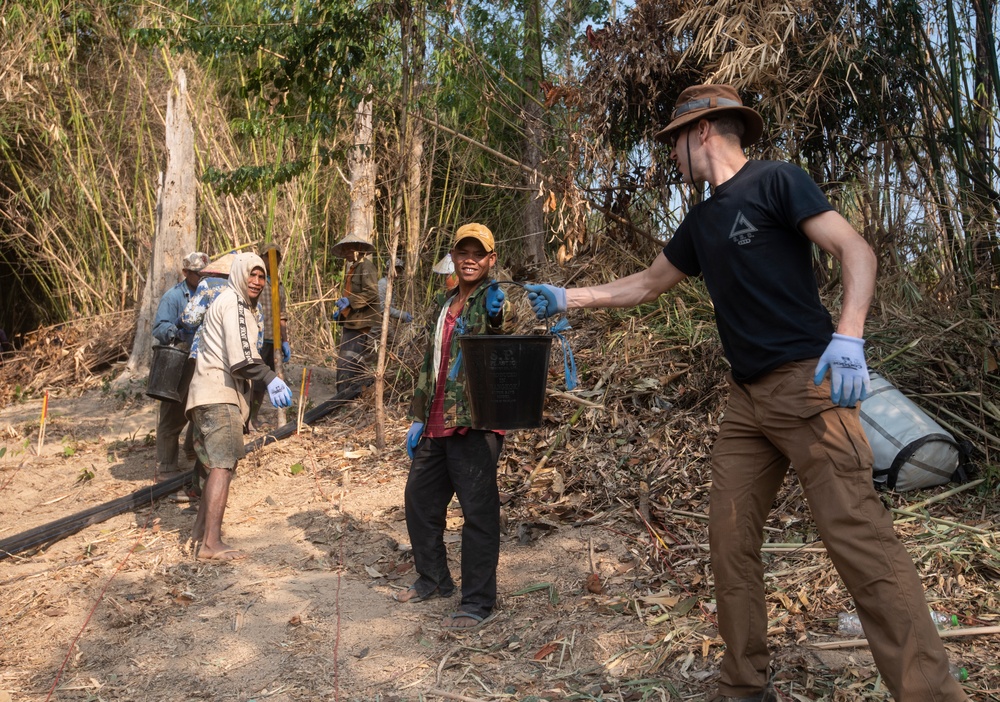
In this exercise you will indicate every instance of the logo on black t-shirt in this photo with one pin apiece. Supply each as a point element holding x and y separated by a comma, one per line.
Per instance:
<point>742,232</point>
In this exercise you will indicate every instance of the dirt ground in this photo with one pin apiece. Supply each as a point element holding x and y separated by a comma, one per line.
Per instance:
<point>123,611</point>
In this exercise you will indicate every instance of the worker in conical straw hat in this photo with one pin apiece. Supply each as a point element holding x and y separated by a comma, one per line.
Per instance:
<point>446,267</point>
<point>357,310</point>
<point>796,382</point>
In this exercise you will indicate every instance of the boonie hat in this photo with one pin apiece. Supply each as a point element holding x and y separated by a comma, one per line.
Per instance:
<point>194,261</point>
<point>475,231</point>
<point>703,100</point>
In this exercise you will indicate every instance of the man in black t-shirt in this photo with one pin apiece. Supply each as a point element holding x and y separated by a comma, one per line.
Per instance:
<point>795,382</point>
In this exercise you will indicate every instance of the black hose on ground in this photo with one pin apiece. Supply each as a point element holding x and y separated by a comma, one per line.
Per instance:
<point>146,496</point>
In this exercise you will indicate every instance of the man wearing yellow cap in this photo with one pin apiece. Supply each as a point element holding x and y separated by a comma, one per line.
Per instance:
<point>795,382</point>
<point>450,457</point>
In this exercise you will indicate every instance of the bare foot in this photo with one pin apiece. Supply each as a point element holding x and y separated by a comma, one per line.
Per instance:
<point>408,595</point>
<point>411,595</point>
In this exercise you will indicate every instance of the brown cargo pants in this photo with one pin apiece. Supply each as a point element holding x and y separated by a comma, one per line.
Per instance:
<point>781,419</point>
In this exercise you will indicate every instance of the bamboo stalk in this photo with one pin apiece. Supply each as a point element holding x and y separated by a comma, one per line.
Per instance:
<point>971,426</point>
<point>555,444</point>
<point>766,548</point>
<point>946,494</point>
<point>937,520</point>
<point>573,398</point>
<point>944,633</point>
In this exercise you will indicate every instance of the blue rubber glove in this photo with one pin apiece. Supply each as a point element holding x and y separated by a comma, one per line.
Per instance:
<point>406,317</point>
<point>342,303</point>
<point>494,299</point>
<point>183,335</point>
<point>546,300</point>
<point>286,351</point>
<point>413,435</point>
<point>845,359</point>
<point>280,394</point>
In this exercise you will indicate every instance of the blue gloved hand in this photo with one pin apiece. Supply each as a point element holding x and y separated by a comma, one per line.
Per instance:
<point>546,300</point>
<point>286,351</point>
<point>342,303</point>
<point>413,435</point>
<point>845,359</point>
<point>280,394</point>
<point>494,299</point>
<point>406,317</point>
<point>183,335</point>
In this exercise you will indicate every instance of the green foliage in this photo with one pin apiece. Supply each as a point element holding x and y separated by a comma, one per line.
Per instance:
<point>296,468</point>
<point>296,70</point>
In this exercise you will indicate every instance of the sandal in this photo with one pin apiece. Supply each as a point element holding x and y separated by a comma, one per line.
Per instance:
<point>450,622</point>
<point>405,596</point>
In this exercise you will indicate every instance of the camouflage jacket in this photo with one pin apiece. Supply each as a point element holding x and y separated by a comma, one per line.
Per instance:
<point>473,320</point>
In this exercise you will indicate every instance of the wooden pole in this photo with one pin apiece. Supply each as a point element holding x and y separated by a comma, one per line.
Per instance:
<point>41,423</point>
<point>275,312</point>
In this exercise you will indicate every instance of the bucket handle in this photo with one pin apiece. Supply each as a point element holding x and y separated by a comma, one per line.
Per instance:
<point>521,284</point>
<point>569,362</point>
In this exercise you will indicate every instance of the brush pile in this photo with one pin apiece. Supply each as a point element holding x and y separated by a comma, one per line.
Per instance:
<point>70,356</point>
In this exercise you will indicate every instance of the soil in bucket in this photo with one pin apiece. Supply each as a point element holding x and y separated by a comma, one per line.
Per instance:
<point>505,378</point>
<point>165,373</point>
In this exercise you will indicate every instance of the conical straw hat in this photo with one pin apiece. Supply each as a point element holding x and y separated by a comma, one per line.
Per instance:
<point>220,266</point>
<point>445,266</point>
<point>350,243</point>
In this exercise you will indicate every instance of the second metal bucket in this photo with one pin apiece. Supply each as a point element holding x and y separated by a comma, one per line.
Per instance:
<point>165,372</point>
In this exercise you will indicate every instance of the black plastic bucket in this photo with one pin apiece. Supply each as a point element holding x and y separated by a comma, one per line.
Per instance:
<point>165,373</point>
<point>505,379</point>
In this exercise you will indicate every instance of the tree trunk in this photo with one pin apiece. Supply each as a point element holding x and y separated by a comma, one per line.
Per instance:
<point>175,233</point>
<point>414,142</point>
<point>414,213</point>
<point>361,164</point>
<point>533,217</point>
<point>985,244</point>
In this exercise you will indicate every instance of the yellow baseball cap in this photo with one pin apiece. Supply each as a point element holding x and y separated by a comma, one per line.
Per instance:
<point>478,232</point>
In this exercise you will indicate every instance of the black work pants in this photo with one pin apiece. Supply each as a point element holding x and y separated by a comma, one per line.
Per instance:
<point>464,465</point>
<point>353,356</point>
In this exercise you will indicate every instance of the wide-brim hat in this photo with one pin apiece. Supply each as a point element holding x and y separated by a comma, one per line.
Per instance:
<point>700,101</point>
<point>349,244</point>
